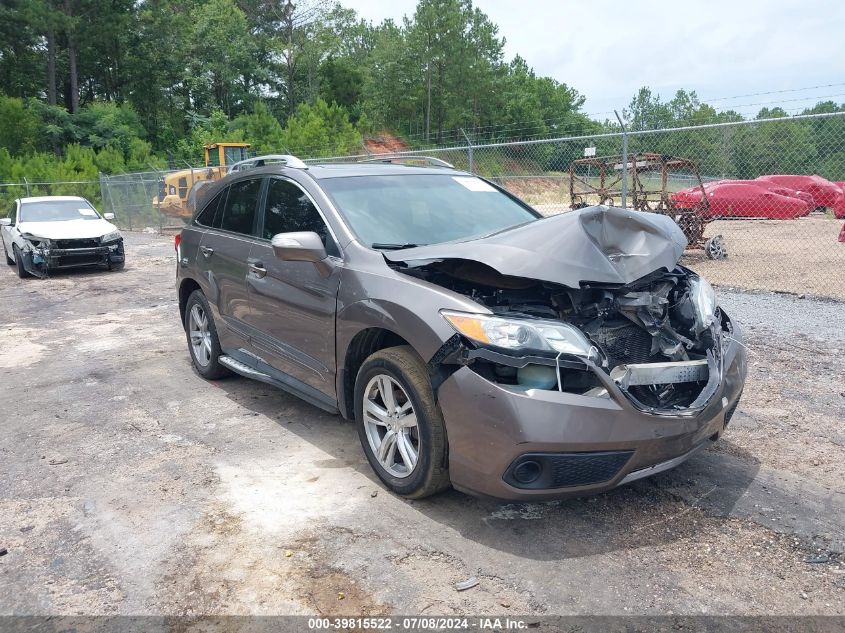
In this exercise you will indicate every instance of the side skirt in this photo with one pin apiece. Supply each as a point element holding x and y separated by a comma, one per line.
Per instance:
<point>280,380</point>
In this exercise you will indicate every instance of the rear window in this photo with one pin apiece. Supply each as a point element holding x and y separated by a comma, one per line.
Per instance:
<point>206,216</point>
<point>423,209</point>
<point>239,210</point>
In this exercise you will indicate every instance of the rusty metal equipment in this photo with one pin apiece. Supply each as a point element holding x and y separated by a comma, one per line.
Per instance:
<point>598,180</point>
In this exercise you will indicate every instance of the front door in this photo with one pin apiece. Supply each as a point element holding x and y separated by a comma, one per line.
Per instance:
<point>292,307</point>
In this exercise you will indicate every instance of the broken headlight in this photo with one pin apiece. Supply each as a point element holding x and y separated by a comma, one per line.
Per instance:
<point>36,242</point>
<point>110,237</point>
<point>704,300</point>
<point>522,334</point>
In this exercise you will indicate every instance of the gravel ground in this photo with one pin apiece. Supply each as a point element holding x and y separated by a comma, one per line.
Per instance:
<point>132,486</point>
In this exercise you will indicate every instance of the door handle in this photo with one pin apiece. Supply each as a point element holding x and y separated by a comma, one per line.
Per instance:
<point>258,269</point>
<point>205,250</point>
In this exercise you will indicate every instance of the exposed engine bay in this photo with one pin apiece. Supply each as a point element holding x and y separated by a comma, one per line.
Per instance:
<point>647,331</point>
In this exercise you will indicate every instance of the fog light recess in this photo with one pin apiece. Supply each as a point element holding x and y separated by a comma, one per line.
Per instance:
<point>527,472</point>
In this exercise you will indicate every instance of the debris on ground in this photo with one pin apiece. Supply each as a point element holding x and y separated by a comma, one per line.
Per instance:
<point>469,583</point>
<point>3,551</point>
<point>819,558</point>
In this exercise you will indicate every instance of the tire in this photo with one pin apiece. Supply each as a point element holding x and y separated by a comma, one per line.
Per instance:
<point>714,248</point>
<point>118,265</point>
<point>22,272</point>
<point>207,363</point>
<point>9,260</point>
<point>402,373</point>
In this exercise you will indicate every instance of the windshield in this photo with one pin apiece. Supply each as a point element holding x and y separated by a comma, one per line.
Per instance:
<point>57,211</point>
<point>412,209</point>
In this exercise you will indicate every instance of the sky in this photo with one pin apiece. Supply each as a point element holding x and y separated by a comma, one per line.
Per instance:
<point>722,50</point>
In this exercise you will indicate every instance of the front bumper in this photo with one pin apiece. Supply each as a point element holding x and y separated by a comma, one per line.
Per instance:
<point>492,428</point>
<point>39,261</point>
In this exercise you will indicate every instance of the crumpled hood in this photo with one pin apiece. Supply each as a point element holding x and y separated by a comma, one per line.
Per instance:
<point>67,229</point>
<point>598,244</point>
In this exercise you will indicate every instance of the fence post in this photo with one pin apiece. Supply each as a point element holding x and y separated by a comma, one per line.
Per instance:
<point>26,182</point>
<point>624,195</point>
<point>104,193</point>
<point>470,157</point>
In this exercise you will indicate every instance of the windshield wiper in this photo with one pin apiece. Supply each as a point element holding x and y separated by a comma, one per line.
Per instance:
<point>394,247</point>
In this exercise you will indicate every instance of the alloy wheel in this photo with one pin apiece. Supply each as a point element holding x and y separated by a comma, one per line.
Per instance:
<point>200,335</point>
<point>390,423</point>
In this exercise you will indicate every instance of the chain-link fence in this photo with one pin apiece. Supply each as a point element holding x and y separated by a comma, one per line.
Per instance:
<point>761,202</point>
<point>133,198</point>
<point>150,199</point>
<point>9,192</point>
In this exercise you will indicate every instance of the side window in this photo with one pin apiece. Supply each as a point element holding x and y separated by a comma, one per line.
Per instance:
<point>239,211</point>
<point>206,217</point>
<point>289,210</point>
<point>183,187</point>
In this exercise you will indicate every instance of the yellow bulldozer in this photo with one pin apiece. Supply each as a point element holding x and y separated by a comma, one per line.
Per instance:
<point>178,190</point>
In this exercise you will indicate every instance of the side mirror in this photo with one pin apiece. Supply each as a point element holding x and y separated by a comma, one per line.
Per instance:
<point>108,216</point>
<point>5,221</point>
<point>302,246</point>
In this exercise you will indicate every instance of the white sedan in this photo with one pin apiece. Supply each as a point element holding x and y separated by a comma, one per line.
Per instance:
<point>53,232</point>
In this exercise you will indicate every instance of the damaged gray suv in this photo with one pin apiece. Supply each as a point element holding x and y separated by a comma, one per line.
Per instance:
<point>474,343</point>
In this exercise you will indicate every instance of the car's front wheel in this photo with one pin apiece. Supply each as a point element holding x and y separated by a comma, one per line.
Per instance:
<point>9,260</point>
<point>399,423</point>
<point>203,343</point>
<point>22,272</point>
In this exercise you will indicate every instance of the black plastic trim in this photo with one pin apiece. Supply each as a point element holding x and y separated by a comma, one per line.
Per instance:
<point>567,470</point>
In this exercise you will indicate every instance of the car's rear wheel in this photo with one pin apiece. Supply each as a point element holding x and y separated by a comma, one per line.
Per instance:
<point>399,424</point>
<point>203,343</point>
<point>9,260</point>
<point>22,272</point>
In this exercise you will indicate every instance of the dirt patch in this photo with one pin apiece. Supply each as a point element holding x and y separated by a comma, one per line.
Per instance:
<point>538,191</point>
<point>801,256</point>
<point>17,347</point>
<point>385,143</point>
<point>492,594</point>
<point>325,588</point>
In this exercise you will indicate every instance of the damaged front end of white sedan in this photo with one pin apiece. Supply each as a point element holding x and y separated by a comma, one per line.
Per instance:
<point>51,233</point>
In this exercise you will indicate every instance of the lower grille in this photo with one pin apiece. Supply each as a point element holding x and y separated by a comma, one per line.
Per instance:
<point>86,243</point>
<point>78,260</point>
<point>624,342</point>
<point>563,470</point>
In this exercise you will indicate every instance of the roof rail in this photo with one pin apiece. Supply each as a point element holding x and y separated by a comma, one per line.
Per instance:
<point>399,160</point>
<point>268,159</point>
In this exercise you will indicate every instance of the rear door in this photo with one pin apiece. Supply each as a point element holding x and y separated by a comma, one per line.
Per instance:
<point>292,306</point>
<point>222,258</point>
